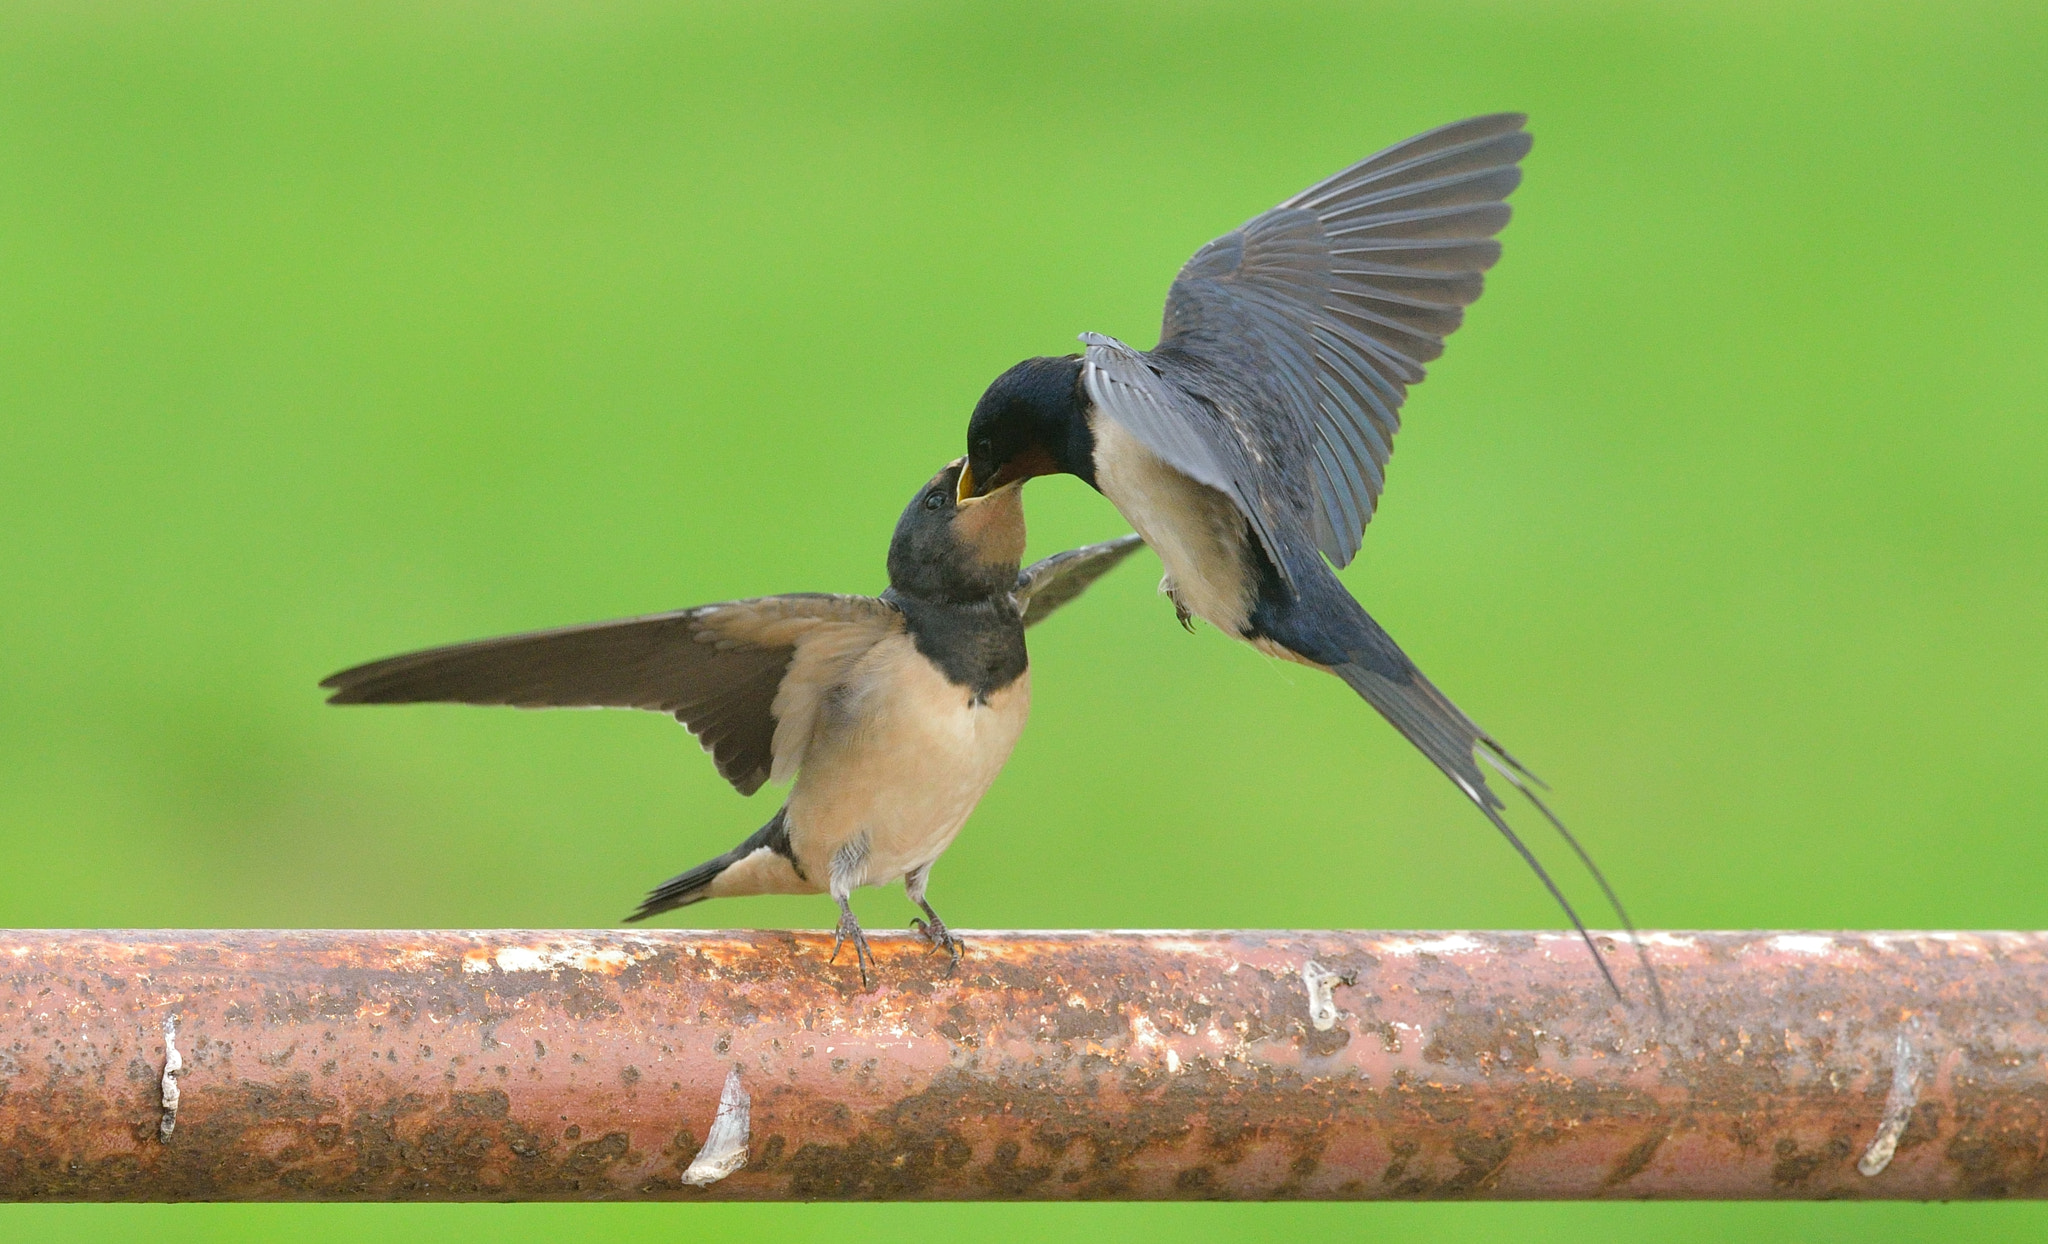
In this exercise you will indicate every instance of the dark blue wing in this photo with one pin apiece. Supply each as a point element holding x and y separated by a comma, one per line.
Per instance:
<point>1289,344</point>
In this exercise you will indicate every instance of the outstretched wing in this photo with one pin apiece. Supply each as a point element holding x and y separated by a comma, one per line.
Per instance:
<point>745,676</point>
<point>1289,343</point>
<point>1044,586</point>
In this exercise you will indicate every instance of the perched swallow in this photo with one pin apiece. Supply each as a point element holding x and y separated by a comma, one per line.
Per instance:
<point>1251,443</point>
<point>893,713</point>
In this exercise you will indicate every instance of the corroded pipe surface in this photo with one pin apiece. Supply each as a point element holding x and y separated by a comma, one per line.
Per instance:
<point>519,1066</point>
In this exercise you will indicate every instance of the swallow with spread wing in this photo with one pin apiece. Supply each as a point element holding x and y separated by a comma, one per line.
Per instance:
<point>893,713</point>
<point>1251,443</point>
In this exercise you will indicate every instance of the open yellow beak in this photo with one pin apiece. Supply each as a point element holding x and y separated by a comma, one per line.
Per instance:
<point>967,485</point>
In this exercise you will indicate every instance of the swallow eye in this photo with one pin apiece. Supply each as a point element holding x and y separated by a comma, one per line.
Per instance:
<point>985,447</point>
<point>934,499</point>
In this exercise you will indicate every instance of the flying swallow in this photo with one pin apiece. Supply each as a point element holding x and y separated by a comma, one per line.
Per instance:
<point>1251,444</point>
<point>893,713</point>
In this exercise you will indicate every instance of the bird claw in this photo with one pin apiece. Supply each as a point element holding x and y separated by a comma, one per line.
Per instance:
<point>1180,611</point>
<point>863,958</point>
<point>937,936</point>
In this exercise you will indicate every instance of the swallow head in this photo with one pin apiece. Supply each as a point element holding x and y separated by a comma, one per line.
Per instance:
<point>953,548</point>
<point>1032,421</point>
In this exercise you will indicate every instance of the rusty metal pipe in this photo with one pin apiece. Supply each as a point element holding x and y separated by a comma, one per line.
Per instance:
<point>368,1066</point>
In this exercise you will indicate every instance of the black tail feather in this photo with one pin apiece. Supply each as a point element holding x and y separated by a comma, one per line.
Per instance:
<point>1543,875</point>
<point>694,886</point>
<point>1613,899</point>
<point>684,889</point>
<point>1326,625</point>
<point>1444,734</point>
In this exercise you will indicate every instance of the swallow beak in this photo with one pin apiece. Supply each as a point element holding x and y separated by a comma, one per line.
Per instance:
<point>1028,465</point>
<point>965,501</point>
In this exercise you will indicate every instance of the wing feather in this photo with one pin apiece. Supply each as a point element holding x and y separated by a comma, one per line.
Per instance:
<point>1044,586</point>
<point>746,677</point>
<point>1289,344</point>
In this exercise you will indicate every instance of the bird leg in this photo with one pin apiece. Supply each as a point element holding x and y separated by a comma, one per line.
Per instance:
<point>939,935</point>
<point>849,928</point>
<point>1180,611</point>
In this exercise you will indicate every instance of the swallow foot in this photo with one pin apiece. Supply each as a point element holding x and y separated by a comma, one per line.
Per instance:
<point>938,937</point>
<point>849,931</point>
<point>1180,611</point>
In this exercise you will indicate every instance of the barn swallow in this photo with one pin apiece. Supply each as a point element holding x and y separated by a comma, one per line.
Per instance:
<point>892,713</point>
<point>1251,443</point>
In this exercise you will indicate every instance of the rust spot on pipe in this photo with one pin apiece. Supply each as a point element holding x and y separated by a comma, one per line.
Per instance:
<point>526,1066</point>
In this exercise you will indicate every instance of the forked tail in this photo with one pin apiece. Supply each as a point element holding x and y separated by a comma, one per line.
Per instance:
<point>1430,721</point>
<point>1328,626</point>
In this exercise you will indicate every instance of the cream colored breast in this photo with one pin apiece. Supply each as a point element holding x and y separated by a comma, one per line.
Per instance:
<point>1197,531</point>
<point>900,763</point>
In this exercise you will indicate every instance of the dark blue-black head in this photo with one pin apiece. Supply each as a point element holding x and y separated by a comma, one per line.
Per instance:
<point>957,551</point>
<point>1032,421</point>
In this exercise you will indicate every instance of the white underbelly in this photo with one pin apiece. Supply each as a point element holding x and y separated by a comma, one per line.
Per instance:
<point>904,765</point>
<point>1197,532</point>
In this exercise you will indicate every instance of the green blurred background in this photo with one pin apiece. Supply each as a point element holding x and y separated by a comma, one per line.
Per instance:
<point>330,331</point>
